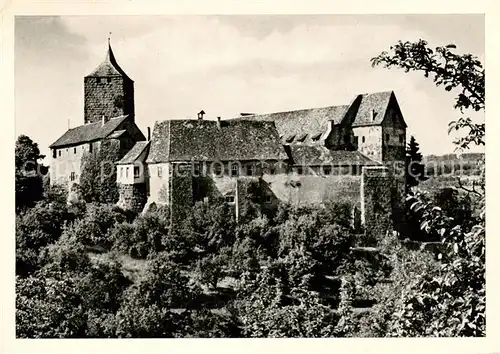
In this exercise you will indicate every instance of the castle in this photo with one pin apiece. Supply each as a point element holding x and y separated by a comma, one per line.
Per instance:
<point>303,156</point>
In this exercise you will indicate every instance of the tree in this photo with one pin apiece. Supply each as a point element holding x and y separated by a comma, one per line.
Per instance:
<point>416,168</point>
<point>28,179</point>
<point>464,73</point>
<point>451,301</point>
<point>27,153</point>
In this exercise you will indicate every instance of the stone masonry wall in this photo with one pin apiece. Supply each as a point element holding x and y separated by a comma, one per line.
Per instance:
<point>108,96</point>
<point>181,194</point>
<point>376,196</point>
<point>132,196</point>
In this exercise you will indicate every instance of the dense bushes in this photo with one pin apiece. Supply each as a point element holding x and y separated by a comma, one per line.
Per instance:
<point>273,276</point>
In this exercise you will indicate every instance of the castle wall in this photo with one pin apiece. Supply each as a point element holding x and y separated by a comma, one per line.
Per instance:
<point>372,144</point>
<point>69,161</point>
<point>132,196</point>
<point>159,189</point>
<point>376,201</point>
<point>181,197</point>
<point>310,189</point>
<point>111,96</point>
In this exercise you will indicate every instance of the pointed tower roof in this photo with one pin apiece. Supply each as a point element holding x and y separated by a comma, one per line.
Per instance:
<point>109,67</point>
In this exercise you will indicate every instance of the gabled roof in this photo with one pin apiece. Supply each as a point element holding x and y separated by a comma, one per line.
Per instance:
<point>88,132</point>
<point>308,155</point>
<point>233,140</point>
<point>109,67</point>
<point>372,105</point>
<point>133,154</point>
<point>315,121</point>
<point>310,122</point>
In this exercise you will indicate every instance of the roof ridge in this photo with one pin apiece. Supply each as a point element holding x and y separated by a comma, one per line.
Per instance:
<point>296,110</point>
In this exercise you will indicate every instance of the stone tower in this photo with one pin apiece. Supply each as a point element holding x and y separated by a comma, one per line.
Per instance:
<point>109,92</point>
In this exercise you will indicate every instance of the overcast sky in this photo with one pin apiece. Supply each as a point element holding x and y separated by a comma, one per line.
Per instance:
<point>231,64</point>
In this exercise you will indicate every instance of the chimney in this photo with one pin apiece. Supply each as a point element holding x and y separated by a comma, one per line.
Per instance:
<point>218,122</point>
<point>149,133</point>
<point>200,114</point>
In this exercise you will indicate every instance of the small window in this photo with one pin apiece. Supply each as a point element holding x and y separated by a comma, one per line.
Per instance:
<point>387,137</point>
<point>54,153</point>
<point>126,172</point>
<point>160,172</point>
<point>268,199</point>
<point>327,170</point>
<point>59,153</point>
<point>300,170</point>
<point>196,169</point>
<point>250,170</point>
<point>235,170</point>
<point>218,169</point>
<point>272,169</point>
<point>136,171</point>
<point>72,176</point>
<point>401,138</point>
<point>121,171</point>
<point>302,138</point>
<point>90,147</point>
<point>74,151</point>
<point>229,198</point>
<point>316,136</point>
<point>356,140</point>
<point>98,80</point>
<point>363,139</point>
<point>109,80</point>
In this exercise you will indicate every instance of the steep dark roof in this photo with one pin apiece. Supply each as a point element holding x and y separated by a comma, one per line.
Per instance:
<point>133,154</point>
<point>187,139</point>
<point>309,122</point>
<point>109,67</point>
<point>88,132</point>
<point>314,121</point>
<point>376,103</point>
<point>318,155</point>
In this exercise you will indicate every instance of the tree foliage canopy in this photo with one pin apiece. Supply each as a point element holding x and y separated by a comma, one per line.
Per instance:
<point>463,73</point>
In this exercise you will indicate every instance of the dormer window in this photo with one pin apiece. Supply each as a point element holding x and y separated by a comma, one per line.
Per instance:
<point>229,199</point>
<point>290,138</point>
<point>196,169</point>
<point>235,170</point>
<point>218,169</point>
<point>302,138</point>
<point>316,137</point>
